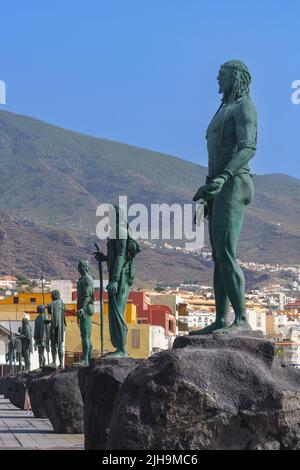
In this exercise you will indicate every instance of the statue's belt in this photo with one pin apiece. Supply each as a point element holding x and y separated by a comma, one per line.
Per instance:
<point>209,179</point>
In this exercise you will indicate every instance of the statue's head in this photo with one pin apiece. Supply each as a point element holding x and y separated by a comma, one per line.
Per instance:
<point>40,309</point>
<point>84,268</point>
<point>234,79</point>
<point>25,321</point>
<point>117,221</point>
<point>55,294</point>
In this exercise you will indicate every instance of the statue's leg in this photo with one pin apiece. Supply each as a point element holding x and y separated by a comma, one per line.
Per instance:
<point>122,303</point>
<point>229,216</point>
<point>117,321</point>
<point>26,360</point>
<point>40,351</point>
<point>53,352</point>
<point>86,329</point>
<point>53,339</point>
<point>221,298</point>
<point>43,356</point>
<point>60,355</point>
<point>89,337</point>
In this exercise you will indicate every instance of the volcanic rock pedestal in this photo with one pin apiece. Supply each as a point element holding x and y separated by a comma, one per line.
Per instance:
<point>7,384</point>
<point>99,386</point>
<point>17,389</point>
<point>37,384</point>
<point>219,391</point>
<point>63,402</point>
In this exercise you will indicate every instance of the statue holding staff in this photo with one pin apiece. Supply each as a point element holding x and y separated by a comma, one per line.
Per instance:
<point>121,251</point>
<point>41,338</point>
<point>56,310</point>
<point>26,338</point>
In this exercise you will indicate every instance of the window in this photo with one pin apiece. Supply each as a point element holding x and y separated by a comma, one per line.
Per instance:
<point>136,339</point>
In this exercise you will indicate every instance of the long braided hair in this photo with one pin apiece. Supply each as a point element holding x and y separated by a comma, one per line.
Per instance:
<point>242,78</point>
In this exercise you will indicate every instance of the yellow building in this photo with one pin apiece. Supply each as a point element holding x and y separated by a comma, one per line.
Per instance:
<point>14,307</point>
<point>139,338</point>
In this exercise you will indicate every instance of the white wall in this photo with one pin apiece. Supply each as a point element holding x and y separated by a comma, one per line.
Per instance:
<point>65,289</point>
<point>15,324</point>
<point>257,320</point>
<point>158,341</point>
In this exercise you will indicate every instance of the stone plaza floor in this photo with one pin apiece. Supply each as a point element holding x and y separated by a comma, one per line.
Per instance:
<point>18,430</point>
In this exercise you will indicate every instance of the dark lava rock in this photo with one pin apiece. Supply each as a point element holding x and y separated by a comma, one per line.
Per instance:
<point>63,402</point>
<point>7,385</point>
<point>1,385</point>
<point>17,389</point>
<point>209,392</point>
<point>99,386</point>
<point>37,384</point>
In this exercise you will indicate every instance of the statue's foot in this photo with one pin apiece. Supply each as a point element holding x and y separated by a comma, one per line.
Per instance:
<point>216,326</point>
<point>239,324</point>
<point>117,353</point>
<point>81,363</point>
<point>52,365</point>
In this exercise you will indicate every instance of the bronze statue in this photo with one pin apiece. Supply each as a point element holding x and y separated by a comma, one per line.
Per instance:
<point>85,309</point>
<point>121,251</point>
<point>56,310</point>
<point>26,338</point>
<point>11,354</point>
<point>41,336</point>
<point>231,141</point>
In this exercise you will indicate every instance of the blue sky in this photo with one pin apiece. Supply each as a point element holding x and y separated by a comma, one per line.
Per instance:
<point>144,71</point>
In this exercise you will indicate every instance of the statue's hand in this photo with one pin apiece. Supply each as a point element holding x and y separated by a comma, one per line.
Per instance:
<point>80,313</point>
<point>201,193</point>
<point>112,287</point>
<point>100,257</point>
<point>215,187</point>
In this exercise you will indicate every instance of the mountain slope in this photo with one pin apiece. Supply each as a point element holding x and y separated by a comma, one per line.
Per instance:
<point>58,177</point>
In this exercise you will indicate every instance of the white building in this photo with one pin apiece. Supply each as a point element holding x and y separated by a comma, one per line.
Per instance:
<point>15,325</point>
<point>257,320</point>
<point>200,319</point>
<point>158,340</point>
<point>65,289</point>
<point>8,282</point>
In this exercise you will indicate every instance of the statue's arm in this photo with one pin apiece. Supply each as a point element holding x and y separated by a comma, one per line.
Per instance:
<point>49,309</point>
<point>246,132</point>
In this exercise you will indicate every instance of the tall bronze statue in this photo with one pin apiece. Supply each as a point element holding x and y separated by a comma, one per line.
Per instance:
<point>85,309</point>
<point>18,346</point>
<point>121,251</point>
<point>56,310</point>
<point>41,336</point>
<point>11,353</point>
<point>26,338</point>
<point>231,141</point>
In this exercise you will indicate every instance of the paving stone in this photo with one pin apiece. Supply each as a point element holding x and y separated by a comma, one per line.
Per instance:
<point>20,430</point>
